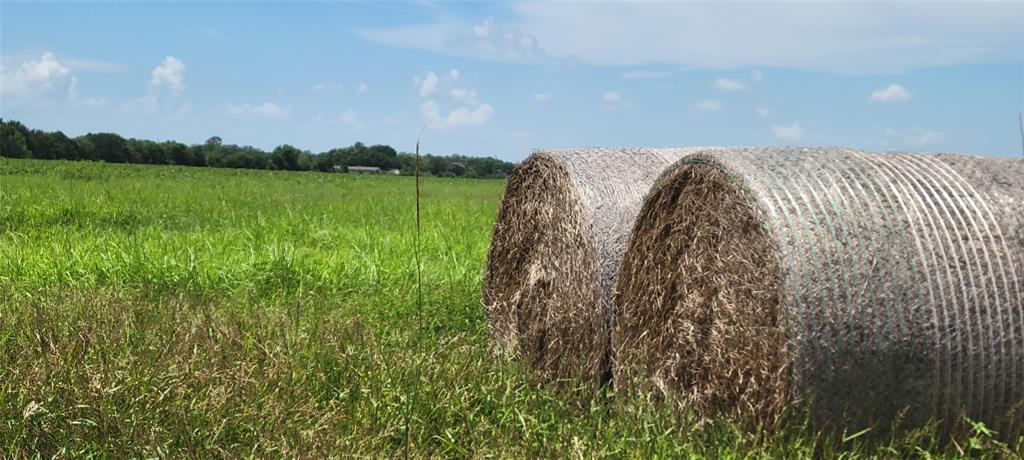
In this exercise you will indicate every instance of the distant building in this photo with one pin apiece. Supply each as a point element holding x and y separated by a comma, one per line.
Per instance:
<point>338,168</point>
<point>364,169</point>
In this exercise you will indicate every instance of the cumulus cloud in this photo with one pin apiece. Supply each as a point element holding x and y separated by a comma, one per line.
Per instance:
<point>487,39</point>
<point>613,101</point>
<point>792,132</point>
<point>466,107</point>
<point>427,84</point>
<point>459,116</point>
<point>708,106</point>
<point>268,110</point>
<point>725,84</point>
<point>891,93</point>
<point>45,77</point>
<point>540,97</point>
<point>169,74</point>
<point>166,83</point>
<point>362,88</point>
<point>467,116</point>
<point>464,95</point>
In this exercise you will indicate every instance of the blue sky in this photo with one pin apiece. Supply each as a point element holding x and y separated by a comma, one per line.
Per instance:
<point>503,78</point>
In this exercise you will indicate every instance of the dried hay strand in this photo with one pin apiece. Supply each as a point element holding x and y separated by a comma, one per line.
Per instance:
<point>561,229</point>
<point>875,287</point>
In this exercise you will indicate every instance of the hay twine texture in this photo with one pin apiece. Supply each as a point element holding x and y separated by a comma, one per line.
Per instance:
<point>875,286</point>
<point>562,227</point>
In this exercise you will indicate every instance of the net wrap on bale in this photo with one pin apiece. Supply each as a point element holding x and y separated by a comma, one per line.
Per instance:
<point>875,286</point>
<point>562,227</point>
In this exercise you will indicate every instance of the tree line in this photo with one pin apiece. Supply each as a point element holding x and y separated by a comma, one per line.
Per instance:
<point>18,141</point>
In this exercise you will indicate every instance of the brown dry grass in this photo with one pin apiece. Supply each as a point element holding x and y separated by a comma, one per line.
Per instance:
<point>698,307</point>
<point>542,286</point>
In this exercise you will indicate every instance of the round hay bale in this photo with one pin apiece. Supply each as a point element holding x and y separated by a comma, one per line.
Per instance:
<point>562,227</point>
<point>878,287</point>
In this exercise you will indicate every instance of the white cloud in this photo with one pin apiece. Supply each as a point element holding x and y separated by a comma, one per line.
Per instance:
<point>725,84</point>
<point>171,73</point>
<point>791,132</point>
<point>428,84</point>
<point>916,137</point>
<point>467,116</point>
<point>464,95</point>
<point>541,97</point>
<point>612,100</point>
<point>891,93</point>
<point>645,74</point>
<point>762,113</point>
<point>708,106</point>
<point>459,116</point>
<point>467,107</point>
<point>484,40</point>
<point>362,88</point>
<point>840,37</point>
<point>42,78</point>
<point>430,110</point>
<point>167,82</point>
<point>268,110</point>
<point>756,75</point>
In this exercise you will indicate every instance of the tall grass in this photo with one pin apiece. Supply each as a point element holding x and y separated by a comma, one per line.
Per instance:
<point>181,312</point>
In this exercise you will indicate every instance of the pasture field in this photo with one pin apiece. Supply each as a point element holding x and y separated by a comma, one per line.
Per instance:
<point>162,311</point>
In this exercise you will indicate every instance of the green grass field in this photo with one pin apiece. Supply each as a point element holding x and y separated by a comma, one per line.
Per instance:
<point>158,311</point>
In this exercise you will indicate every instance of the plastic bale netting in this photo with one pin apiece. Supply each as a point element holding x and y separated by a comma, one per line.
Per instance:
<point>875,287</point>
<point>561,229</point>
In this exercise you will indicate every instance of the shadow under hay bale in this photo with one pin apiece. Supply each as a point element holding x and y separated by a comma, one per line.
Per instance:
<point>877,286</point>
<point>560,233</point>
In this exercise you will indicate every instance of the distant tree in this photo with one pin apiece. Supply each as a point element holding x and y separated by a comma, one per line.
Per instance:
<point>195,156</point>
<point>61,146</point>
<point>86,149</point>
<point>307,162</point>
<point>19,141</point>
<point>110,147</point>
<point>286,157</point>
<point>51,145</point>
<point>148,152</point>
<point>175,152</point>
<point>12,142</point>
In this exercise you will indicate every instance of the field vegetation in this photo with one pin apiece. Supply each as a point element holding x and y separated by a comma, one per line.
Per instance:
<point>173,311</point>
